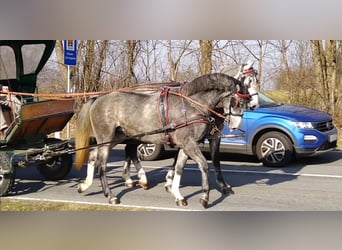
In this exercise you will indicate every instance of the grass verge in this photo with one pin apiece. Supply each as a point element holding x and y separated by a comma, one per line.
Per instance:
<point>15,205</point>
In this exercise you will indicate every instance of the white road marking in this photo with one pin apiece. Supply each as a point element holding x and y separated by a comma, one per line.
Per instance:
<point>261,172</point>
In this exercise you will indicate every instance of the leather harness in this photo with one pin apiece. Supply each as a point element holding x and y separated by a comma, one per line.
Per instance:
<point>181,122</point>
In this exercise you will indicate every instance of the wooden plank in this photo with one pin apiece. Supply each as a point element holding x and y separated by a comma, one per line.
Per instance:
<point>42,118</point>
<point>45,109</point>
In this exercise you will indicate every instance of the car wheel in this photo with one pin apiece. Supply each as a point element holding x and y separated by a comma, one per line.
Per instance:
<point>274,149</point>
<point>150,152</point>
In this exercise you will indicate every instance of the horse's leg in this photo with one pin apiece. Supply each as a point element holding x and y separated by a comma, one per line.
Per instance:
<point>90,172</point>
<point>194,152</point>
<point>132,156</point>
<point>214,145</point>
<point>178,165</point>
<point>170,174</point>
<point>191,150</point>
<point>101,163</point>
<point>127,168</point>
<point>143,182</point>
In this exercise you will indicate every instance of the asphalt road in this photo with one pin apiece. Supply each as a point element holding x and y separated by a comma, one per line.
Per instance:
<point>310,184</point>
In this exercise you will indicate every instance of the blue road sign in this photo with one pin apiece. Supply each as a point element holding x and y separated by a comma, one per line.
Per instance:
<point>70,52</point>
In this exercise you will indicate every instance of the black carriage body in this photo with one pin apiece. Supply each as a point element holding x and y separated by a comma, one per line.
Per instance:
<point>26,141</point>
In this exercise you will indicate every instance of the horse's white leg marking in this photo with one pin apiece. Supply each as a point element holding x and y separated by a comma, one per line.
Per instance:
<point>90,173</point>
<point>169,178</point>
<point>142,175</point>
<point>181,160</point>
<point>126,174</point>
<point>192,150</point>
<point>175,187</point>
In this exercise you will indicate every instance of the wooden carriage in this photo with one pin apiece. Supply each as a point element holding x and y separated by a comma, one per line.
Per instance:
<point>27,141</point>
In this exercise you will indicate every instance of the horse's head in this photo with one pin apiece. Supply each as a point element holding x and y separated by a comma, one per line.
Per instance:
<point>234,107</point>
<point>249,78</point>
<point>246,96</point>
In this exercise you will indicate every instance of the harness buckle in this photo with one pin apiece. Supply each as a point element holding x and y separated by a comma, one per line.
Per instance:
<point>214,130</point>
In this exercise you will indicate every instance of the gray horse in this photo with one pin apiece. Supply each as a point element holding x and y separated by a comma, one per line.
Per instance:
<point>183,121</point>
<point>244,73</point>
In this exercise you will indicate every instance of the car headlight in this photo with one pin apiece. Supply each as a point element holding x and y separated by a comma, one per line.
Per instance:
<point>302,125</point>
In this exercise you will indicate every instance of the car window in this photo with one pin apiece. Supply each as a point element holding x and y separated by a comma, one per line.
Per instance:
<point>265,101</point>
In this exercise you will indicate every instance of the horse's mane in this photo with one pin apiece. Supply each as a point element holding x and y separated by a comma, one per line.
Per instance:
<point>230,70</point>
<point>208,82</point>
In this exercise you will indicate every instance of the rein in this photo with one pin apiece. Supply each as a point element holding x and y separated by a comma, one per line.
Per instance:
<point>198,104</point>
<point>169,128</point>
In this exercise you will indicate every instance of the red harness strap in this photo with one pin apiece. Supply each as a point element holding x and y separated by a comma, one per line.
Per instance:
<point>164,106</point>
<point>186,120</point>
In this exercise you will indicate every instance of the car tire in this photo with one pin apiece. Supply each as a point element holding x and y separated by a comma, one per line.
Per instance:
<point>150,152</point>
<point>274,149</point>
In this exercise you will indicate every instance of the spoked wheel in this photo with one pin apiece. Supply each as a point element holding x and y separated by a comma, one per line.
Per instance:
<point>6,179</point>
<point>57,168</point>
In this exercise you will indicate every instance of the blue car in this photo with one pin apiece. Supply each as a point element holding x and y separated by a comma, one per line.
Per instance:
<point>275,133</point>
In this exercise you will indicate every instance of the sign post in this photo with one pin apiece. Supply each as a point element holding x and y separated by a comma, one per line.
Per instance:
<point>70,59</point>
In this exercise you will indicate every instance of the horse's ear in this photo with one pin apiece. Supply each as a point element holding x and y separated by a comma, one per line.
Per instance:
<point>248,66</point>
<point>239,74</point>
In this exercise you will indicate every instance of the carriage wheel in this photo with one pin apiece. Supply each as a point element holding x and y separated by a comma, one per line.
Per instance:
<point>6,180</point>
<point>57,168</point>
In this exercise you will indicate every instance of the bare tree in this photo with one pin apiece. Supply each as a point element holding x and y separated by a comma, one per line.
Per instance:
<point>60,58</point>
<point>174,58</point>
<point>284,53</point>
<point>132,52</point>
<point>324,56</point>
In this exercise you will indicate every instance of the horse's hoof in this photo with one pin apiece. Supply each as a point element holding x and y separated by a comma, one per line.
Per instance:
<point>227,190</point>
<point>79,188</point>
<point>167,188</point>
<point>114,200</point>
<point>204,203</point>
<point>182,203</point>
<point>130,184</point>
<point>144,185</point>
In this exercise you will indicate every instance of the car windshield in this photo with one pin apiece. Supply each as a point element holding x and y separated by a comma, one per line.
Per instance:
<point>265,101</point>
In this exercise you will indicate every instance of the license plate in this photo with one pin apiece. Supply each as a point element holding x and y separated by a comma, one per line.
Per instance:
<point>332,137</point>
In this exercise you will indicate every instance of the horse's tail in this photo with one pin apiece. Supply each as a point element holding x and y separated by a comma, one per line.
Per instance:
<point>83,133</point>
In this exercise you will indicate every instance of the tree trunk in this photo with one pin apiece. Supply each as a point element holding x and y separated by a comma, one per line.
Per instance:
<point>131,79</point>
<point>287,70</point>
<point>206,54</point>
<point>99,64</point>
<point>172,64</point>
<point>325,68</point>
<point>60,58</point>
<point>331,73</point>
<point>89,61</point>
<point>338,79</point>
